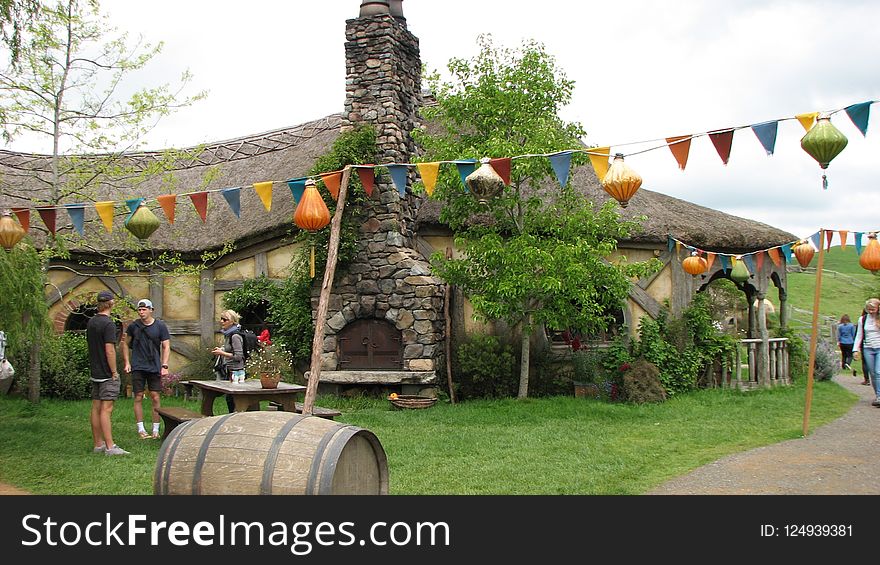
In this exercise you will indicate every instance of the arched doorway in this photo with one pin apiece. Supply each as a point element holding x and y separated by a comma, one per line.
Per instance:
<point>370,345</point>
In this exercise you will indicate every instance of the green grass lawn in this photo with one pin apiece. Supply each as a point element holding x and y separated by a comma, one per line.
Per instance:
<point>560,445</point>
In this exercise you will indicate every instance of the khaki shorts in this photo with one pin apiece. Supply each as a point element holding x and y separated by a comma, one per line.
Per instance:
<point>105,390</point>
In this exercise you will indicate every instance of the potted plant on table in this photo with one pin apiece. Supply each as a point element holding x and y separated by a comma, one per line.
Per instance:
<point>269,362</point>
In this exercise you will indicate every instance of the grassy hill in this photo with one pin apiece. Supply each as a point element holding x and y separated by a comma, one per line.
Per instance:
<point>845,287</point>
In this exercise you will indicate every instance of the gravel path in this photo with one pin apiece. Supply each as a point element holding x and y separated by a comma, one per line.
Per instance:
<point>842,457</point>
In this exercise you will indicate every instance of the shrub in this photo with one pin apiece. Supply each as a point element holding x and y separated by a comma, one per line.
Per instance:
<point>641,383</point>
<point>486,368</point>
<point>826,360</point>
<point>64,367</point>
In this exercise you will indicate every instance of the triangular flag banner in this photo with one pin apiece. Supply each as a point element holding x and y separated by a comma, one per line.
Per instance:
<point>464,169</point>
<point>817,242</point>
<point>843,234</point>
<point>828,235</point>
<point>670,244</point>
<point>774,255</point>
<point>722,140</point>
<point>859,113</point>
<point>264,190</point>
<point>429,172</point>
<point>807,120</point>
<point>200,201</point>
<point>332,181</point>
<point>677,247</point>
<point>502,167</point>
<point>48,216</point>
<point>725,263</point>
<point>786,252</point>
<point>766,134</point>
<point>599,160</point>
<point>680,147</point>
<point>105,211</point>
<point>233,198</point>
<point>77,213</point>
<point>132,204</point>
<point>367,177</point>
<point>858,243</point>
<point>398,176</point>
<point>760,260</point>
<point>750,263</point>
<point>168,202</point>
<point>710,258</point>
<point>24,218</point>
<point>561,163</point>
<point>298,186</point>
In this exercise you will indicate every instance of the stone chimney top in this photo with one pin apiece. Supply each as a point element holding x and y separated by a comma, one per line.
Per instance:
<point>371,8</point>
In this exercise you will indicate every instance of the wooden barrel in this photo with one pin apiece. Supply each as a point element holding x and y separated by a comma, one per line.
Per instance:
<point>266,452</point>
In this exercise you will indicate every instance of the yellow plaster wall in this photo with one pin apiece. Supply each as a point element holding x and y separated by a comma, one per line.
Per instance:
<point>177,361</point>
<point>636,313</point>
<point>279,260</point>
<point>92,285</point>
<point>661,287</point>
<point>135,287</point>
<point>239,270</point>
<point>181,297</point>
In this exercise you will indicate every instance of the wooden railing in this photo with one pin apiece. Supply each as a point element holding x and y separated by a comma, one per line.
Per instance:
<point>745,372</point>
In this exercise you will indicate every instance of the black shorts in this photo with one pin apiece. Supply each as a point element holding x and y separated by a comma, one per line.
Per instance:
<point>105,390</point>
<point>152,380</point>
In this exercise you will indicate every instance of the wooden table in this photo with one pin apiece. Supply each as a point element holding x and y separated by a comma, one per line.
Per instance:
<point>247,395</point>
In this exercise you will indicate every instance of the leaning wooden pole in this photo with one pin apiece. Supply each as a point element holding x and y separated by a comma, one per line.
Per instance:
<point>324,300</point>
<point>814,336</point>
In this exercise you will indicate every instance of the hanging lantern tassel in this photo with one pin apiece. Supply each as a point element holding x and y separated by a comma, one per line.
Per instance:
<point>823,143</point>
<point>311,215</point>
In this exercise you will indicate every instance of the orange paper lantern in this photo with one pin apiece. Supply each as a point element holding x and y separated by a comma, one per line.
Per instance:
<point>870,257</point>
<point>695,265</point>
<point>804,252</point>
<point>311,215</point>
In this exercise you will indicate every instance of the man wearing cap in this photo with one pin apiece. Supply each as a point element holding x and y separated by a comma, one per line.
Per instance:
<point>150,344</point>
<point>101,339</point>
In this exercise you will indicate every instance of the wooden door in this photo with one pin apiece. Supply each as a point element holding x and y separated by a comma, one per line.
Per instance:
<point>369,344</point>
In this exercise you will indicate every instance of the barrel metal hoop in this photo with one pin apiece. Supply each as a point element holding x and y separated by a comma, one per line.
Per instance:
<point>272,455</point>
<point>340,440</point>
<point>316,463</point>
<point>203,451</point>
<point>169,448</point>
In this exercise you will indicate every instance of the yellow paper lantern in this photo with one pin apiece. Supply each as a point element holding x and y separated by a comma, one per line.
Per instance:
<point>10,230</point>
<point>621,182</point>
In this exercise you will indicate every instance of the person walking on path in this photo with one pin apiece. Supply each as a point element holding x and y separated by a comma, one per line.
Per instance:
<point>101,339</point>
<point>846,336</point>
<point>868,343</point>
<point>230,355</point>
<point>150,344</point>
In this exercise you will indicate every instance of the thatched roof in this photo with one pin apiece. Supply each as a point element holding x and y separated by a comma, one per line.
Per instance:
<point>290,152</point>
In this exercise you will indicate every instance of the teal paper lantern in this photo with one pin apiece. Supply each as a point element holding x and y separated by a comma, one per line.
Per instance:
<point>823,143</point>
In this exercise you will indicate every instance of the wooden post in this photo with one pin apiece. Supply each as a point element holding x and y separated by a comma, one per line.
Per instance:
<point>446,301</point>
<point>813,337</point>
<point>324,300</point>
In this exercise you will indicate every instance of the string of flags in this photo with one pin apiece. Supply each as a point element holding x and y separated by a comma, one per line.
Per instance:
<point>560,161</point>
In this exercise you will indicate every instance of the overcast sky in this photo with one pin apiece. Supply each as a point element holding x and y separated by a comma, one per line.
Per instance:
<point>644,70</point>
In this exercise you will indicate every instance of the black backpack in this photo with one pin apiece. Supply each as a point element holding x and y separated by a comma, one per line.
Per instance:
<point>249,342</point>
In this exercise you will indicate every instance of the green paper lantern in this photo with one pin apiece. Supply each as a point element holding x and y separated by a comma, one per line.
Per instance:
<point>142,223</point>
<point>740,273</point>
<point>823,143</point>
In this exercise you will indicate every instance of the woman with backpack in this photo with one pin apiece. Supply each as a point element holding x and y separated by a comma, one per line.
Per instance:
<point>230,356</point>
<point>868,343</point>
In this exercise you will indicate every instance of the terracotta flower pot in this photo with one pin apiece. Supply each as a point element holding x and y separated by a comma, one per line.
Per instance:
<point>269,381</point>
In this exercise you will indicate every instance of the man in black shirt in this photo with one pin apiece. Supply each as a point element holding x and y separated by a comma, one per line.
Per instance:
<point>101,338</point>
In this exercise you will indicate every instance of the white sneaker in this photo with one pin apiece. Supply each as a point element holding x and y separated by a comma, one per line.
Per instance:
<point>100,449</point>
<point>116,450</point>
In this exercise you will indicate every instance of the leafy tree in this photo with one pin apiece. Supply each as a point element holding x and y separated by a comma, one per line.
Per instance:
<point>531,258</point>
<point>65,90</point>
<point>14,15</point>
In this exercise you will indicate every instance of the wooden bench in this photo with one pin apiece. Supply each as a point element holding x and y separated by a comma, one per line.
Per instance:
<point>328,413</point>
<point>172,416</point>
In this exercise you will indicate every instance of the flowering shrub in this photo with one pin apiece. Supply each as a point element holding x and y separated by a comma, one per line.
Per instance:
<point>269,360</point>
<point>169,382</point>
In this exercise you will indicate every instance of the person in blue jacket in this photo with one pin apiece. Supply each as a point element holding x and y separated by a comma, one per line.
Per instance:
<point>846,336</point>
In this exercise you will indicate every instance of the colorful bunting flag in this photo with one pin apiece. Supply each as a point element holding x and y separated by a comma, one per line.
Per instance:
<point>680,147</point>
<point>105,211</point>
<point>815,240</point>
<point>24,218</point>
<point>858,243</point>
<point>298,186</point>
<point>48,215</point>
<point>332,182</point>
<point>561,163</point>
<point>398,176</point>
<point>502,167</point>
<point>786,252</point>
<point>233,198</point>
<point>843,234</point>
<point>750,263</point>
<point>828,235</point>
<point>670,244</point>
<point>429,172</point>
<point>722,140</point>
<point>132,204</point>
<point>725,263</point>
<point>77,213</point>
<point>599,159</point>
<point>807,120</point>
<point>710,258</point>
<point>264,190</point>
<point>465,167</point>
<point>859,113</point>
<point>168,202</point>
<point>773,253</point>
<point>766,134</point>
<point>200,201</point>
<point>367,177</point>
<point>760,260</point>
